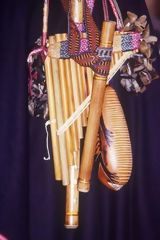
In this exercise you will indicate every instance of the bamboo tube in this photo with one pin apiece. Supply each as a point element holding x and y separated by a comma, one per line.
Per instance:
<point>52,115</point>
<point>82,91</point>
<point>71,92</point>
<point>72,199</point>
<point>77,10</point>
<point>99,84</point>
<point>59,117</point>
<point>72,193</point>
<point>65,102</point>
<point>76,94</point>
<point>89,76</point>
<point>86,92</point>
<point>117,159</point>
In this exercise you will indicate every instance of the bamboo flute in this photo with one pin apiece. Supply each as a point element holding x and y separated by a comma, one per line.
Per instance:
<point>72,193</point>
<point>98,90</point>
<point>52,115</point>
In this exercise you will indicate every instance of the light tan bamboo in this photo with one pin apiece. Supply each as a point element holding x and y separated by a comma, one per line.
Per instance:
<point>71,91</point>
<point>89,75</point>
<point>76,94</point>
<point>99,84</point>
<point>65,102</point>
<point>72,199</point>
<point>52,115</point>
<point>72,194</point>
<point>76,8</point>
<point>82,91</point>
<point>59,118</point>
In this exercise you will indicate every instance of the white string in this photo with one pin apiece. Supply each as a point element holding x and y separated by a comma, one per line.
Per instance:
<point>74,116</point>
<point>118,65</point>
<point>47,139</point>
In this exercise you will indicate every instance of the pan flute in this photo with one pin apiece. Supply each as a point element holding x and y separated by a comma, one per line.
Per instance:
<point>68,85</point>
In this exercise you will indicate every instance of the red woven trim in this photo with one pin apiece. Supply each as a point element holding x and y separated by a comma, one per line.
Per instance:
<point>91,60</point>
<point>101,67</point>
<point>85,59</point>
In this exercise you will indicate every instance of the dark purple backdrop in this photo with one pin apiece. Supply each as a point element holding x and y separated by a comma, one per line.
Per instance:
<point>31,202</point>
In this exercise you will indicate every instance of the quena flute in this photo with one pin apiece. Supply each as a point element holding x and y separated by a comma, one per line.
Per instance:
<point>98,90</point>
<point>72,193</point>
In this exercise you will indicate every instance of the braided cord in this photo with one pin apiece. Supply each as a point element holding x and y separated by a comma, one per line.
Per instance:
<point>45,22</point>
<point>105,10</point>
<point>117,13</point>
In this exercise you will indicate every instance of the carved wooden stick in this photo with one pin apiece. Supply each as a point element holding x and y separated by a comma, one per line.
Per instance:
<point>99,84</point>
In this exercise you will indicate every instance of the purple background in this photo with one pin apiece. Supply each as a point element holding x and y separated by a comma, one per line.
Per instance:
<point>32,204</point>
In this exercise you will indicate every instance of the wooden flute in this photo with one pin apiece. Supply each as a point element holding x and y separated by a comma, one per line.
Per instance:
<point>98,90</point>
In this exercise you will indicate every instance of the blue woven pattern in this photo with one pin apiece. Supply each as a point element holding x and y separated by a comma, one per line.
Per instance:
<point>64,50</point>
<point>126,43</point>
<point>104,53</point>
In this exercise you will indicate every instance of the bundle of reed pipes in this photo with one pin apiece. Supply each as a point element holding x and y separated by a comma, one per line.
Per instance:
<point>67,85</point>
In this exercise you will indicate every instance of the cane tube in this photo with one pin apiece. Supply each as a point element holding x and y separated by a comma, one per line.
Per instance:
<point>99,85</point>
<point>72,193</point>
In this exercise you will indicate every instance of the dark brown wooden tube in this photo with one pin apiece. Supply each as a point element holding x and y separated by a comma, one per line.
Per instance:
<point>99,85</point>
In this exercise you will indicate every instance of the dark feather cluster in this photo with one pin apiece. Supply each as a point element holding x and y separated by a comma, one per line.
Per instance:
<point>138,71</point>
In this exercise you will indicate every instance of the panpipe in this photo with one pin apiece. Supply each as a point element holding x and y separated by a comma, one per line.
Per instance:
<point>68,85</point>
